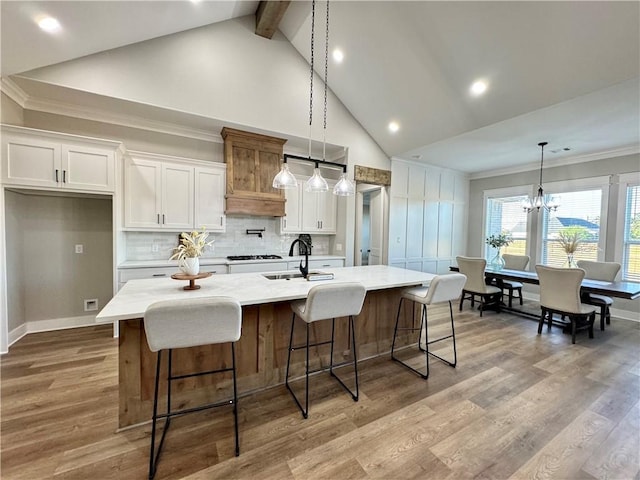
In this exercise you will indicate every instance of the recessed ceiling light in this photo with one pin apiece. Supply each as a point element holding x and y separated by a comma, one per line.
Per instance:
<point>49,24</point>
<point>478,87</point>
<point>338,56</point>
<point>394,127</point>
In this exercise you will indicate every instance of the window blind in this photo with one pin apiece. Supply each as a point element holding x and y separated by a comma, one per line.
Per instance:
<point>631,251</point>
<point>505,215</point>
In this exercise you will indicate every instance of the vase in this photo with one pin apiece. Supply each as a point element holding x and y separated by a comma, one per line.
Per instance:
<point>190,265</point>
<point>570,262</point>
<point>497,262</point>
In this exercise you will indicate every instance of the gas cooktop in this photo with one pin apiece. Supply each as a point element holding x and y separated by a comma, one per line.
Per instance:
<point>253,257</point>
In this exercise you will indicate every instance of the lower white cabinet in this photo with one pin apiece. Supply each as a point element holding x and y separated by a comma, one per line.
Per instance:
<point>258,267</point>
<point>315,264</point>
<point>126,274</point>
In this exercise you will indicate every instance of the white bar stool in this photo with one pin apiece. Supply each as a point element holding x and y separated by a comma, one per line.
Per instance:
<point>443,288</point>
<point>326,301</point>
<point>190,323</point>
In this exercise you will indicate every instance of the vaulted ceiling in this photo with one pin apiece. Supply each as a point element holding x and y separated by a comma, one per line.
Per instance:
<point>563,72</point>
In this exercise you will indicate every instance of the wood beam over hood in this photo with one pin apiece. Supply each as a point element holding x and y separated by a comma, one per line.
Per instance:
<point>268,16</point>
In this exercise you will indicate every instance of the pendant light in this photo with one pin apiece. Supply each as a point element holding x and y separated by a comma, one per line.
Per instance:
<point>540,200</point>
<point>284,179</point>
<point>316,182</point>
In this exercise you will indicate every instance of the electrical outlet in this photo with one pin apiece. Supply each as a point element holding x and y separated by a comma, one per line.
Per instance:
<point>91,305</point>
<point>79,248</point>
<point>155,248</point>
<point>338,247</point>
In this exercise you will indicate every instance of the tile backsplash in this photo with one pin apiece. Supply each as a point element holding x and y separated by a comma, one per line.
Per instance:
<point>235,241</point>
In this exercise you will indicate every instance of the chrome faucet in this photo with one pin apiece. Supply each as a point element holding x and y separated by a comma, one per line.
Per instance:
<point>304,269</point>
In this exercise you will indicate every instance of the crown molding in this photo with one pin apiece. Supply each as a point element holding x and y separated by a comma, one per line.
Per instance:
<point>13,91</point>
<point>131,121</point>
<point>590,157</point>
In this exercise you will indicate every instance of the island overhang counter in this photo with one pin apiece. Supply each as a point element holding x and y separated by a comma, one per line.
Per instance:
<point>261,352</point>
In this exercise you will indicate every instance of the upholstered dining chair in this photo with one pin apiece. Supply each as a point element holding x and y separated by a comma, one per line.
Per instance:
<point>606,272</point>
<point>172,324</point>
<point>514,262</point>
<point>560,293</point>
<point>475,286</point>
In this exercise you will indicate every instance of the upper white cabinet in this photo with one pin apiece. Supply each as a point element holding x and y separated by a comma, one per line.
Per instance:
<point>167,193</point>
<point>52,161</point>
<point>308,212</point>
<point>210,184</point>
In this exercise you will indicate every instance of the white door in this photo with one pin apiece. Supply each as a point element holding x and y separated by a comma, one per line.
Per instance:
<point>86,168</point>
<point>28,161</point>
<point>142,194</point>
<point>376,215</point>
<point>177,196</point>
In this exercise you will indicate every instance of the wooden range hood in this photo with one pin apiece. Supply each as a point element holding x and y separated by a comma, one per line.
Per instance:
<point>252,162</point>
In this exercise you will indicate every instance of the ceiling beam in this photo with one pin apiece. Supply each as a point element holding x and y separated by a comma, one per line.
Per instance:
<point>268,16</point>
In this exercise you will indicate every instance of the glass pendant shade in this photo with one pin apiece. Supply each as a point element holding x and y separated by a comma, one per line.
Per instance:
<point>344,187</point>
<point>284,178</point>
<point>316,183</point>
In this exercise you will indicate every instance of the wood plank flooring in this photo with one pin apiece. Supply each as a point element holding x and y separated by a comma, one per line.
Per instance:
<point>518,405</point>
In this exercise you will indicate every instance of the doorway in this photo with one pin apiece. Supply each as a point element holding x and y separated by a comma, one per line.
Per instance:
<point>369,244</point>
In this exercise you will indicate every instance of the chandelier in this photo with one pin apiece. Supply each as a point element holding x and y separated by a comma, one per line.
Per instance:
<point>541,200</point>
<point>316,183</point>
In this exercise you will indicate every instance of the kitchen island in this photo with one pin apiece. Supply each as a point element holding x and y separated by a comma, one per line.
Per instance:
<point>261,352</point>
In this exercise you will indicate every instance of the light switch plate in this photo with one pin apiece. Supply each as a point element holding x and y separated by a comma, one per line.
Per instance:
<point>79,248</point>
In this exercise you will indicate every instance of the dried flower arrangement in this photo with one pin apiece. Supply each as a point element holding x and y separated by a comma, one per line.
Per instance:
<point>569,240</point>
<point>191,245</point>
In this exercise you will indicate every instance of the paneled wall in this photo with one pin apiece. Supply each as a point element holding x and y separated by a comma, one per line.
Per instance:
<point>427,216</point>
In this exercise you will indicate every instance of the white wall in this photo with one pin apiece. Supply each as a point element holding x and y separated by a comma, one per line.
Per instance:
<point>222,71</point>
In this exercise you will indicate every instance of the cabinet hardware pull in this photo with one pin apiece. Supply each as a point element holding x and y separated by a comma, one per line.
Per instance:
<point>284,223</point>
<point>326,265</point>
<point>221,221</point>
<point>64,176</point>
<point>158,221</point>
<point>159,275</point>
<point>163,218</point>
<point>57,176</point>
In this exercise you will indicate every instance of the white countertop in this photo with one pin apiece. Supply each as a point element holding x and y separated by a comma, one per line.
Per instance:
<point>222,261</point>
<point>249,288</point>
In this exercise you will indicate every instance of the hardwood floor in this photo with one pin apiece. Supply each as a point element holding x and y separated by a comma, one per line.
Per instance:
<point>517,406</point>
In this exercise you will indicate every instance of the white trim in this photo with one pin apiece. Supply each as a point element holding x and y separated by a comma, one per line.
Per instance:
<point>4,308</point>
<point>574,185</point>
<point>625,180</point>
<point>13,91</point>
<point>48,325</point>
<point>507,191</point>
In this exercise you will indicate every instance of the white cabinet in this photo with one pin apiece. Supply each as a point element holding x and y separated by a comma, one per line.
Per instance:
<point>126,274</point>
<point>292,220</point>
<point>258,267</point>
<point>315,264</point>
<point>161,194</point>
<point>308,212</point>
<point>52,161</point>
<point>210,184</point>
<point>158,195</point>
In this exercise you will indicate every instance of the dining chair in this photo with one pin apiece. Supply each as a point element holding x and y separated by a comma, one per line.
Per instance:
<point>514,262</point>
<point>172,324</point>
<point>442,288</point>
<point>560,294</point>
<point>603,271</point>
<point>324,302</point>
<point>473,269</point>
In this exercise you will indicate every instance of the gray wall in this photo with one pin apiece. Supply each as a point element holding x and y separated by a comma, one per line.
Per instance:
<point>610,166</point>
<point>10,111</point>
<point>46,278</point>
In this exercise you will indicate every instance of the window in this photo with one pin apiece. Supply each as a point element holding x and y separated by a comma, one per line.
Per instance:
<point>631,249</point>
<point>579,214</point>
<point>505,215</point>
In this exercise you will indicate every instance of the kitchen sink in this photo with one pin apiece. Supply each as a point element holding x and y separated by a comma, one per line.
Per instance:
<point>282,276</point>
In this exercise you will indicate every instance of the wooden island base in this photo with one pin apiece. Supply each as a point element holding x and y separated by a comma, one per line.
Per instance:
<point>261,354</point>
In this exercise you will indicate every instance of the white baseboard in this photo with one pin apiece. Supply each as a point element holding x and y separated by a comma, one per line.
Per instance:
<point>49,325</point>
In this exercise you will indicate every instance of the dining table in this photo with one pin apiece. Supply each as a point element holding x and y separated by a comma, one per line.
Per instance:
<point>617,289</point>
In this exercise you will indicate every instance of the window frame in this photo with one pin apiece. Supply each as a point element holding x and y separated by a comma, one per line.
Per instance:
<point>503,192</point>
<point>582,184</point>
<point>625,180</point>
